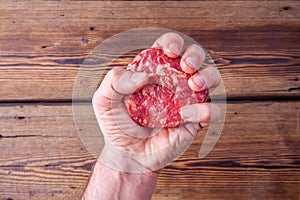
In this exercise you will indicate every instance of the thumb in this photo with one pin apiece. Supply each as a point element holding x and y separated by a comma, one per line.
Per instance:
<point>117,83</point>
<point>126,82</point>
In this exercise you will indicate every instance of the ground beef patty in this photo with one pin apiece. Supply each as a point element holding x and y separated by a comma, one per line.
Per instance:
<point>158,103</point>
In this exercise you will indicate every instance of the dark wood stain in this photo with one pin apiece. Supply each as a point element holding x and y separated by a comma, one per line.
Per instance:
<point>254,44</point>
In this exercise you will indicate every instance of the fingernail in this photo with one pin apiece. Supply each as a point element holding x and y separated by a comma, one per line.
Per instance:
<point>138,77</point>
<point>187,113</point>
<point>199,82</point>
<point>174,48</point>
<point>192,62</point>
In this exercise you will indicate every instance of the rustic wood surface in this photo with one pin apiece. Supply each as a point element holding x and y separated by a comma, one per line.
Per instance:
<point>42,155</point>
<point>255,45</point>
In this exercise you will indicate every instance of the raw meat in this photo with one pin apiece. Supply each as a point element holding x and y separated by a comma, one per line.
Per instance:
<point>157,104</point>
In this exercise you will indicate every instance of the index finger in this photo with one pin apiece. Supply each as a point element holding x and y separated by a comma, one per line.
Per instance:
<point>171,43</point>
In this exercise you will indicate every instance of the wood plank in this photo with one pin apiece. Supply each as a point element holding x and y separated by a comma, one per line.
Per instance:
<point>246,75</point>
<point>257,155</point>
<point>255,44</point>
<point>85,14</point>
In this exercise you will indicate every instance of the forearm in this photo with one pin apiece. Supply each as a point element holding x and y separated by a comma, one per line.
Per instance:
<point>107,183</point>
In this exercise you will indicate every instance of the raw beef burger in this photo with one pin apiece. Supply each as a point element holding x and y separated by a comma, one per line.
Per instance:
<point>158,104</point>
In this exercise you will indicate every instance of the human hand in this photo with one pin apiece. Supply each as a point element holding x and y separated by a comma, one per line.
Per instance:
<point>130,147</point>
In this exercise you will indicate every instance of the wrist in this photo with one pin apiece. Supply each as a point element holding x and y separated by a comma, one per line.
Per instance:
<point>108,183</point>
<point>148,176</point>
<point>125,161</point>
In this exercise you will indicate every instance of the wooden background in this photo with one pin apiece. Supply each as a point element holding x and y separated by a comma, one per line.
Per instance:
<point>255,44</point>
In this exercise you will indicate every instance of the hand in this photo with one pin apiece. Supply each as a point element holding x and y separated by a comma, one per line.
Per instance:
<point>133,148</point>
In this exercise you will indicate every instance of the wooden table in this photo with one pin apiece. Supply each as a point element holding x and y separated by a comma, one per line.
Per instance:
<point>255,44</point>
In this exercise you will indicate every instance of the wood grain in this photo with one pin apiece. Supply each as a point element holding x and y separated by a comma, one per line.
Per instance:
<point>257,155</point>
<point>255,44</point>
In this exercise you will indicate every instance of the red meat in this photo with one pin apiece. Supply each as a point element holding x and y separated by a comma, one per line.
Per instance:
<point>158,103</point>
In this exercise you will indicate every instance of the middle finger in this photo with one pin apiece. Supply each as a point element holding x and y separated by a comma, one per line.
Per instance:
<point>192,59</point>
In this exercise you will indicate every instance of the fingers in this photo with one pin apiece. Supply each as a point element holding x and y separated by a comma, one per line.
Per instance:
<point>117,83</point>
<point>203,113</point>
<point>208,78</point>
<point>171,43</point>
<point>192,59</point>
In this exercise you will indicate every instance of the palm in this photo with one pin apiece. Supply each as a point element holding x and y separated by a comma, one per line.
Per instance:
<point>133,148</point>
<point>119,129</point>
<point>153,148</point>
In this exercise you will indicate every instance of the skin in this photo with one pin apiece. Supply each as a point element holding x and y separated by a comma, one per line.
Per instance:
<point>127,167</point>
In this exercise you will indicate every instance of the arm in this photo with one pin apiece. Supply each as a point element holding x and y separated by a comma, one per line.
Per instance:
<point>107,183</point>
<point>125,168</point>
